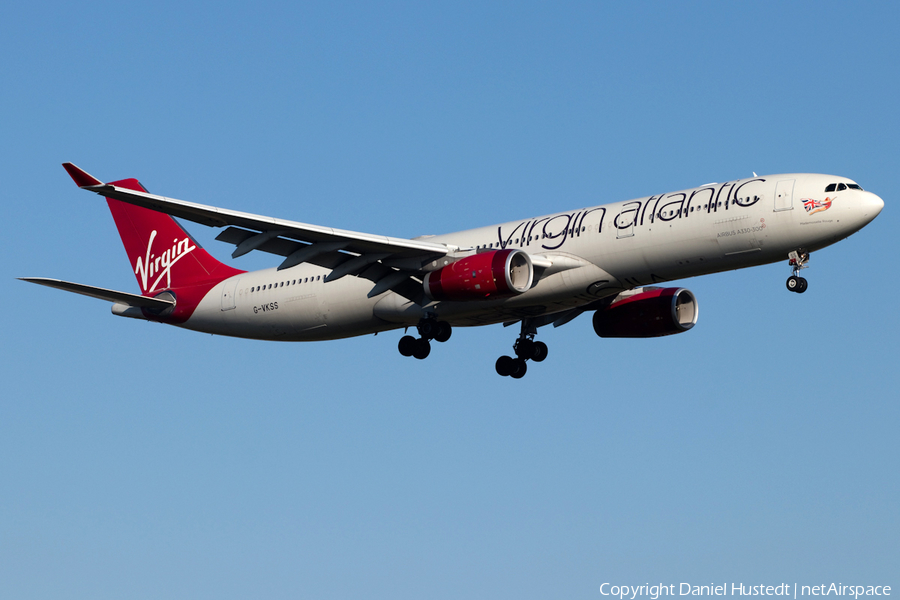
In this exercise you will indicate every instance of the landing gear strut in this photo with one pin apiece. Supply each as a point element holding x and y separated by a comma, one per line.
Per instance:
<point>797,260</point>
<point>429,329</point>
<point>525,348</point>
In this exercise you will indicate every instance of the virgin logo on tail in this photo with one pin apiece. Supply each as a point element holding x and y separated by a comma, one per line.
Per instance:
<point>160,266</point>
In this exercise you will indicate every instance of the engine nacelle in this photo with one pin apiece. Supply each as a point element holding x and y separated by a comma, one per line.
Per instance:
<point>492,274</point>
<point>653,312</point>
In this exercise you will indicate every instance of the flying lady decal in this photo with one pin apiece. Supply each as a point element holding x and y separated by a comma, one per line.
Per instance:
<point>813,206</point>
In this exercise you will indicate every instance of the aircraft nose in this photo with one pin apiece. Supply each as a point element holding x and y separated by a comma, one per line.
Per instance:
<point>872,205</point>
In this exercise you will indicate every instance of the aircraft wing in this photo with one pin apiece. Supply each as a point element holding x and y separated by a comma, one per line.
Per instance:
<point>347,252</point>
<point>103,294</point>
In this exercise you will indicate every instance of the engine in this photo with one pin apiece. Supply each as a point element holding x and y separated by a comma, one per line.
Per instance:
<point>652,312</point>
<point>492,274</point>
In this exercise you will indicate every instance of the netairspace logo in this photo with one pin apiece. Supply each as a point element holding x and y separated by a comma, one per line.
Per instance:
<point>654,592</point>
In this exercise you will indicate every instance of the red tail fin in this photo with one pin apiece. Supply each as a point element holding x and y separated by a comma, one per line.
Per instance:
<point>162,254</point>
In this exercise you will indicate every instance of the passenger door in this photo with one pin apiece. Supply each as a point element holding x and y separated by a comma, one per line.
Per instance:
<point>784,195</point>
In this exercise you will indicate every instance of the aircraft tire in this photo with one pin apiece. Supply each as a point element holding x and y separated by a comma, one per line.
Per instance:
<point>793,282</point>
<point>802,286</point>
<point>520,367</point>
<point>407,345</point>
<point>428,329</point>
<point>444,331</point>
<point>540,352</point>
<point>504,366</point>
<point>525,349</point>
<point>422,349</point>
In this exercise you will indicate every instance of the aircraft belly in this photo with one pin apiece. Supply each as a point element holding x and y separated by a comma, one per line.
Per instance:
<point>342,309</point>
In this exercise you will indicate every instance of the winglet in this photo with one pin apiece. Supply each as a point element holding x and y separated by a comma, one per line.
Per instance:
<point>81,178</point>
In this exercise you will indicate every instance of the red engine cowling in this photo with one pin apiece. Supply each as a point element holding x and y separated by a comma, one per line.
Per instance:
<point>653,312</point>
<point>485,275</point>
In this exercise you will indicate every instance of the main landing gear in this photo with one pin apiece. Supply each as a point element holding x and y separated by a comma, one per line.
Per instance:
<point>525,348</point>
<point>797,260</point>
<point>429,329</point>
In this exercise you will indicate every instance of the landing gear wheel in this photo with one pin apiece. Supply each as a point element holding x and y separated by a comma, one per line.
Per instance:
<point>798,260</point>
<point>504,366</point>
<point>407,345</point>
<point>444,331</point>
<point>524,349</point>
<point>519,369</point>
<point>428,328</point>
<point>422,348</point>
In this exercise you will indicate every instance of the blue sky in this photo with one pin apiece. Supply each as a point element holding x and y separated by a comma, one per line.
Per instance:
<point>143,461</point>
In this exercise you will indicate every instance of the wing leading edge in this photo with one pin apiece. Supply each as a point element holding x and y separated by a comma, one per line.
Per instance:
<point>296,242</point>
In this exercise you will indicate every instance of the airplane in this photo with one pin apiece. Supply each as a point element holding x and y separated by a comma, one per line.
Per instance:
<point>606,259</point>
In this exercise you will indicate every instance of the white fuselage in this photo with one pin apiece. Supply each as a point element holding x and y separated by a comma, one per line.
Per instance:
<point>595,252</point>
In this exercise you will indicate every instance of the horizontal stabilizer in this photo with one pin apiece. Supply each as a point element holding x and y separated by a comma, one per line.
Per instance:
<point>104,294</point>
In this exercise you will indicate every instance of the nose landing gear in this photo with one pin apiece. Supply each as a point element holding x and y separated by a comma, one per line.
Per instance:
<point>797,260</point>
<point>525,348</point>
<point>429,329</point>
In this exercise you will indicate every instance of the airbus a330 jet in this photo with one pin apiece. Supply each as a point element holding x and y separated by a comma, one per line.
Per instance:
<point>608,260</point>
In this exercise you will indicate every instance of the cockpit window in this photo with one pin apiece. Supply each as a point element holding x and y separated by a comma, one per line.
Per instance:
<point>839,187</point>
